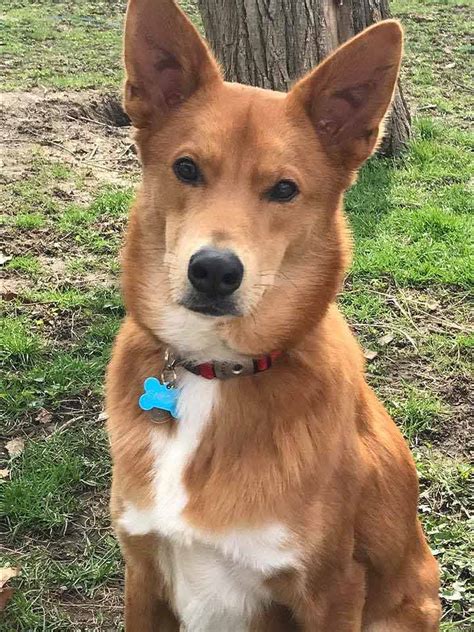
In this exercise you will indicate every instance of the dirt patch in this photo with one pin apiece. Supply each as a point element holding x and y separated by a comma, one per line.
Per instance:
<point>457,434</point>
<point>34,241</point>
<point>414,316</point>
<point>11,287</point>
<point>86,129</point>
<point>452,432</point>
<point>105,613</point>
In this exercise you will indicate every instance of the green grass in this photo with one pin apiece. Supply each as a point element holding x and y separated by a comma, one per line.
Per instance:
<point>445,504</point>
<point>413,218</point>
<point>67,376</point>
<point>408,297</point>
<point>45,500</point>
<point>64,44</point>
<point>27,221</point>
<point>26,264</point>
<point>417,411</point>
<point>42,494</point>
<point>19,347</point>
<point>71,45</point>
<point>98,227</point>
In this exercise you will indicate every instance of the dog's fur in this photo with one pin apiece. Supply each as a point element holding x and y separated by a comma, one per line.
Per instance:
<point>285,500</point>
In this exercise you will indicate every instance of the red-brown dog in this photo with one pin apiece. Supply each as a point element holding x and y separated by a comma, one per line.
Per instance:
<point>282,497</point>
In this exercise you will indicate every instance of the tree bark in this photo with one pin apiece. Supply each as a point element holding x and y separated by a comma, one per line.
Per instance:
<point>271,43</point>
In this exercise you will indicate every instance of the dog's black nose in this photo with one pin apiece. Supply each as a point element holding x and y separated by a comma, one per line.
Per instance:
<point>214,272</point>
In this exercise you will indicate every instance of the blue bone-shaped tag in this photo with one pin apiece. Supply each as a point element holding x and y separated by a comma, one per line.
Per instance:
<point>156,395</point>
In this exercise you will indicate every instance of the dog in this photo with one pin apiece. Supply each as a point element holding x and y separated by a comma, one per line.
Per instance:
<point>258,483</point>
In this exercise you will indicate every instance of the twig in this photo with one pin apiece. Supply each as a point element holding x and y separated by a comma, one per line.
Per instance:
<point>407,306</point>
<point>449,324</point>
<point>125,151</point>
<point>93,152</point>
<point>388,326</point>
<point>89,120</point>
<point>392,298</point>
<point>45,141</point>
<point>461,85</point>
<point>16,140</point>
<point>66,424</point>
<point>97,166</point>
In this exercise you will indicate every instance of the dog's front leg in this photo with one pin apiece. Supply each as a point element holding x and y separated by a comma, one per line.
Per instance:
<point>144,610</point>
<point>146,607</point>
<point>335,604</point>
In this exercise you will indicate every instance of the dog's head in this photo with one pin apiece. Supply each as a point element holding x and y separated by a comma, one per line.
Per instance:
<point>237,240</point>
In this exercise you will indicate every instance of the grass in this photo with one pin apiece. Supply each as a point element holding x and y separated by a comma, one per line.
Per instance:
<point>19,347</point>
<point>445,507</point>
<point>42,493</point>
<point>25,264</point>
<point>413,218</point>
<point>59,44</point>
<point>408,297</point>
<point>418,411</point>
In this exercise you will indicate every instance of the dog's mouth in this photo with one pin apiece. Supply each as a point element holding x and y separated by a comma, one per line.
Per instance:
<point>210,305</point>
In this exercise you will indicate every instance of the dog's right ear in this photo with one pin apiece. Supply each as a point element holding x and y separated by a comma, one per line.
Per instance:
<point>166,60</point>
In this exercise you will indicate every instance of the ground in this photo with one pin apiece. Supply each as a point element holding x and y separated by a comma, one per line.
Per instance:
<point>68,173</point>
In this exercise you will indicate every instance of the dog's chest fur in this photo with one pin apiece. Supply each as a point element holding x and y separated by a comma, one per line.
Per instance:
<point>216,580</point>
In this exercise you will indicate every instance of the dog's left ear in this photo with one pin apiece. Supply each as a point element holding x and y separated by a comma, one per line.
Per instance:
<point>166,60</point>
<point>347,96</point>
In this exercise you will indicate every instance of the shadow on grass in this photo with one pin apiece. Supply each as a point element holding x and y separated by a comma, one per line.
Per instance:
<point>411,216</point>
<point>368,201</point>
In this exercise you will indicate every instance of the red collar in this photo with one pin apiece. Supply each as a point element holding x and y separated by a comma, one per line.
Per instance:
<point>226,370</point>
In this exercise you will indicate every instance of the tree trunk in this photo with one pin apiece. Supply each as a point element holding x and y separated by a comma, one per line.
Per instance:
<point>270,43</point>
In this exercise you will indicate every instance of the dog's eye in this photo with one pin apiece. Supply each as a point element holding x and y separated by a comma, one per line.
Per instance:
<point>187,171</point>
<point>283,191</point>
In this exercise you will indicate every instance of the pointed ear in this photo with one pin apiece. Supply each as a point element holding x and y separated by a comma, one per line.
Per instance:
<point>347,96</point>
<point>166,60</point>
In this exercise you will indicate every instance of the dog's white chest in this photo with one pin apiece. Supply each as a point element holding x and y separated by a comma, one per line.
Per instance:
<point>216,580</point>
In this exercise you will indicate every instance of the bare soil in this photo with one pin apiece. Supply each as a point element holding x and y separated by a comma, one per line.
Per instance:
<point>84,129</point>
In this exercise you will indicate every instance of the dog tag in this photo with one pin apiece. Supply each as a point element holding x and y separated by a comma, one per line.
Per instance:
<point>157,395</point>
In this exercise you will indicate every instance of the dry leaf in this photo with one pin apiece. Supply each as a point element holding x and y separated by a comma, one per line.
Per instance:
<point>385,340</point>
<point>4,473</point>
<point>102,416</point>
<point>5,595</point>
<point>6,573</point>
<point>44,416</point>
<point>4,258</point>
<point>369,354</point>
<point>451,65</point>
<point>15,447</point>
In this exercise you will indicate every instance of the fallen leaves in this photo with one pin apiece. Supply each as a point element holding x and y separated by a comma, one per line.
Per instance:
<point>4,473</point>
<point>385,340</point>
<point>15,447</point>
<point>44,416</point>
<point>6,592</point>
<point>6,573</point>
<point>4,258</point>
<point>369,354</point>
